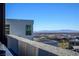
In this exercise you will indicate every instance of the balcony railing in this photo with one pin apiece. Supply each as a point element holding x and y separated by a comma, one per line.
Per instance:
<point>23,46</point>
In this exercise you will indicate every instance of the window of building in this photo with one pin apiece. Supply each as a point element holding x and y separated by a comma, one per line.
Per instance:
<point>7,29</point>
<point>28,29</point>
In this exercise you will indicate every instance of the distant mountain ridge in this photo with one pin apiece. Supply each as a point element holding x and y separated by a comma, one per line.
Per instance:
<point>57,31</point>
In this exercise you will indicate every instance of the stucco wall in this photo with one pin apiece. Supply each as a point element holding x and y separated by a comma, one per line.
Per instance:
<point>18,27</point>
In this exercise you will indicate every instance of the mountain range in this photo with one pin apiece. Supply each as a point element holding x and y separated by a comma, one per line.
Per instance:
<point>57,31</point>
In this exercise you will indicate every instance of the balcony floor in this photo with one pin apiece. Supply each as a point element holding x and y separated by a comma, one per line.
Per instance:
<point>4,51</point>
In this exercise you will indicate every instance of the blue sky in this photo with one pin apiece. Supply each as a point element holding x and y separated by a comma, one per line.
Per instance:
<point>46,16</point>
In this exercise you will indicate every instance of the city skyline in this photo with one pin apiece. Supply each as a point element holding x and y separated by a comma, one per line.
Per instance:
<point>46,16</point>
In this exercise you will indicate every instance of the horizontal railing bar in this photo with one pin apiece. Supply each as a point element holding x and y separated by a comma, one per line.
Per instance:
<point>50,48</point>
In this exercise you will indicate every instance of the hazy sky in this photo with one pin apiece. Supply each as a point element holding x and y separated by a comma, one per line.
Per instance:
<point>46,16</point>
